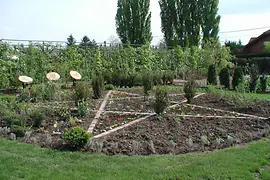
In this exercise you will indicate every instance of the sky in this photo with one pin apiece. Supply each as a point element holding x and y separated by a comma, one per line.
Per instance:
<point>57,19</point>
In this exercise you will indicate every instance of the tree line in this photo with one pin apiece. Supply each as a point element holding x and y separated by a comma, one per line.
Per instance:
<point>183,22</point>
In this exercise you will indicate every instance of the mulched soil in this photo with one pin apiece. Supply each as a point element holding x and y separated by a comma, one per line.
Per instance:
<point>169,136</point>
<point>261,108</point>
<point>108,121</point>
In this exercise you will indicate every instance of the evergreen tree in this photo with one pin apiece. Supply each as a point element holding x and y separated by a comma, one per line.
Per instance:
<point>86,42</point>
<point>133,21</point>
<point>71,40</point>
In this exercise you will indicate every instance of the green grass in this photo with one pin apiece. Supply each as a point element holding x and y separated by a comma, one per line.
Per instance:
<point>22,161</point>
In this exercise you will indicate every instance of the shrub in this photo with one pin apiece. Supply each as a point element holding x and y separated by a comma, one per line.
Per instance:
<point>161,100</point>
<point>147,81</point>
<point>263,83</point>
<point>168,77</point>
<point>37,117</point>
<point>238,77</point>
<point>81,92</point>
<point>254,76</point>
<point>108,87</point>
<point>97,85</point>
<point>131,79</point>
<point>190,90</point>
<point>212,75</point>
<point>224,77</point>
<point>82,109</point>
<point>19,131</point>
<point>76,137</point>
<point>64,113</point>
<point>49,90</point>
<point>157,77</point>
<point>10,118</point>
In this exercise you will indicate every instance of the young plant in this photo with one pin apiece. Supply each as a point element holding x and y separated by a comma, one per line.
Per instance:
<point>263,83</point>
<point>37,117</point>
<point>212,75</point>
<point>238,77</point>
<point>81,92</point>
<point>190,90</point>
<point>161,101</point>
<point>147,81</point>
<point>76,137</point>
<point>97,85</point>
<point>82,109</point>
<point>224,77</point>
<point>254,76</point>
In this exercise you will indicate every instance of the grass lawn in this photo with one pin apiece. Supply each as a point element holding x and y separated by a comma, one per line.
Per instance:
<point>22,161</point>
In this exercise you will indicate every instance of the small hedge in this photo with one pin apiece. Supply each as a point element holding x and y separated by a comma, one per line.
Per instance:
<point>76,137</point>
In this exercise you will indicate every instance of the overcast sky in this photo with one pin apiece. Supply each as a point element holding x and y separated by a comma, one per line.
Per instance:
<point>57,19</point>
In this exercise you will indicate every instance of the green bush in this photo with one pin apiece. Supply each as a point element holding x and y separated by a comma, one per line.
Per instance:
<point>37,117</point>
<point>82,109</point>
<point>157,77</point>
<point>10,119</point>
<point>108,87</point>
<point>49,90</point>
<point>190,90</point>
<point>81,92</point>
<point>161,100</point>
<point>97,85</point>
<point>147,82</point>
<point>19,131</point>
<point>76,137</point>
<point>167,77</point>
<point>224,77</point>
<point>254,76</point>
<point>263,83</point>
<point>238,77</point>
<point>212,75</point>
<point>131,79</point>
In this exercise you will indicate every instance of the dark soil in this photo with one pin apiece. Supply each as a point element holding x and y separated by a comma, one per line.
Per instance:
<point>259,108</point>
<point>109,121</point>
<point>166,136</point>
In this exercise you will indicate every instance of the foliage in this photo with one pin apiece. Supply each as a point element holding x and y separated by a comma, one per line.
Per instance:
<point>267,47</point>
<point>212,75</point>
<point>76,137</point>
<point>234,46</point>
<point>161,100</point>
<point>147,82</point>
<point>108,87</point>
<point>263,83</point>
<point>71,40</point>
<point>49,91</point>
<point>82,109</point>
<point>86,42</point>
<point>181,25</point>
<point>81,92</point>
<point>238,77</point>
<point>133,21</point>
<point>19,131</point>
<point>254,76</point>
<point>224,77</point>
<point>37,117</point>
<point>190,90</point>
<point>97,85</point>
<point>167,77</point>
<point>64,112</point>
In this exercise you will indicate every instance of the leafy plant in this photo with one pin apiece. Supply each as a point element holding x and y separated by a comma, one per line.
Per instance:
<point>76,137</point>
<point>212,75</point>
<point>37,117</point>
<point>161,100</point>
<point>190,90</point>
<point>147,81</point>
<point>108,87</point>
<point>224,77</point>
<point>82,109</point>
<point>64,113</point>
<point>263,83</point>
<point>254,76</point>
<point>97,85</point>
<point>238,77</point>
<point>81,92</point>
<point>19,131</point>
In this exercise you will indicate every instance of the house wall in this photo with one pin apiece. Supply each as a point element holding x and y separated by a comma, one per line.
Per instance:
<point>258,46</point>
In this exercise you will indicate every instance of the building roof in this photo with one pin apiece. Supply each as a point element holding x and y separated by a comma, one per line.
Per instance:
<point>255,39</point>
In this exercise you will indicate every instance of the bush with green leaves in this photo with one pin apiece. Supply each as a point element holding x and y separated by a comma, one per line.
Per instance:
<point>97,85</point>
<point>263,83</point>
<point>147,82</point>
<point>10,119</point>
<point>82,109</point>
<point>19,131</point>
<point>108,87</point>
<point>238,77</point>
<point>37,117</point>
<point>190,90</point>
<point>161,100</point>
<point>254,77</point>
<point>81,92</point>
<point>157,77</point>
<point>212,75</point>
<point>76,137</point>
<point>224,77</point>
<point>167,77</point>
